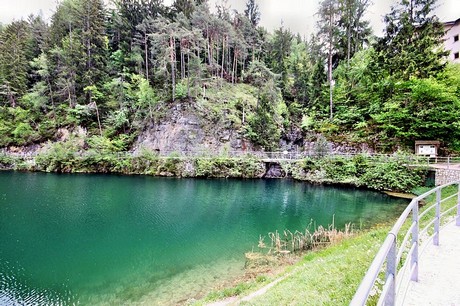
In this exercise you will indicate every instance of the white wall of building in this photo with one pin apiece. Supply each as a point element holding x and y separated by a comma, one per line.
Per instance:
<point>452,40</point>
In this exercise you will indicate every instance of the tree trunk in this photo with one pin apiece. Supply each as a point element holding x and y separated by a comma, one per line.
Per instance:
<point>223,57</point>
<point>208,39</point>
<point>182,64</point>
<point>172,45</point>
<point>349,16</point>
<point>331,104</point>
<point>146,53</point>
<point>51,98</point>
<point>98,118</point>
<point>188,74</point>
<point>234,66</point>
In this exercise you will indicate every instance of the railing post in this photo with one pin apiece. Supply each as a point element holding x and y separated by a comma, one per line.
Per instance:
<point>391,270</point>
<point>414,257</point>
<point>458,206</point>
<point>437,220</point>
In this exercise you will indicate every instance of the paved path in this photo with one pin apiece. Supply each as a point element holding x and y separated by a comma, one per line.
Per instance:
<point>439,272</point>
<point>450,166</point>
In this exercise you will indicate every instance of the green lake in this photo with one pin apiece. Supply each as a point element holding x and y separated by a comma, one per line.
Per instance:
<point>112,240</point>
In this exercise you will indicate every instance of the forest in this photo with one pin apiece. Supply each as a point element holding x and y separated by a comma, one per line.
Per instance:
<point>113,69</point>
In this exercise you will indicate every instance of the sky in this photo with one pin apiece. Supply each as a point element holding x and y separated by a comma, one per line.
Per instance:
<point>298,15</point>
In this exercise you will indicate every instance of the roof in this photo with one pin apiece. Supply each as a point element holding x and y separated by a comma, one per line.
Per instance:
<point>427,142</point>
<point>451,23</point>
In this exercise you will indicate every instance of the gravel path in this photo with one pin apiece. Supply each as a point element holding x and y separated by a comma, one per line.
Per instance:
<point>439,272</point>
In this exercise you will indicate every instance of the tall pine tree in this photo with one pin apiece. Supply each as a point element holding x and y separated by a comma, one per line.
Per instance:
<point>412,44</point>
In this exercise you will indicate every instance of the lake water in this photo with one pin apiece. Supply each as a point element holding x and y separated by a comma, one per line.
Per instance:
<point>111,240</point>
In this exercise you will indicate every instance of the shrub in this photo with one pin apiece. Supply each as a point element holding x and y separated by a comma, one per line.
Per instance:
<point>392,175</point>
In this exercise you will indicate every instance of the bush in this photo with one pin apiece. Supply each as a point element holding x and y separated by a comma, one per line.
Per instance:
<point>392,175</point>
<point>381,174</point>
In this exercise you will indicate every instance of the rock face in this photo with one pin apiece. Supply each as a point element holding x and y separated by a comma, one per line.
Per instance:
<point>183,130</point>
<point>274,170</point>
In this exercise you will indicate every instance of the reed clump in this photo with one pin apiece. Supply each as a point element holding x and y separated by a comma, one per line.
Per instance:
<point>287,242</point>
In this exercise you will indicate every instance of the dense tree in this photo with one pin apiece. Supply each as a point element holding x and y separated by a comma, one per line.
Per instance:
<point>15,54</point>
<point>328,32</point>
<point>412,44</point>
<point>354,30</point>
<point>252,12</point>
<point>94,40</point>
<point>124,27</point>
<point>110,71</point>
<point>263,126</point>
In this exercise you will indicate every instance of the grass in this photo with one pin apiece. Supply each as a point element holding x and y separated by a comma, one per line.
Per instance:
<point>328,276</point>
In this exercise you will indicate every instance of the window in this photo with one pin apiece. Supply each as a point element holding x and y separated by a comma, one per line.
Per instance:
<point>456,38</point>
<point>456,55</point>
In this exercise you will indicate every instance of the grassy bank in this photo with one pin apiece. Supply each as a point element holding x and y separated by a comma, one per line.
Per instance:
<point>327,276</point>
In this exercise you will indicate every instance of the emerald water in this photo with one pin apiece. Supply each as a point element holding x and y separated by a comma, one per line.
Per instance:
<point>100,239</point>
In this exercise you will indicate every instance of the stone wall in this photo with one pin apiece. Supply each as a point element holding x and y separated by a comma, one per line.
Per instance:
<point>444,176</point>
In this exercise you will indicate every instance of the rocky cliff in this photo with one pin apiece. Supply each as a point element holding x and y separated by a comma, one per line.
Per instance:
<point>185,129</point>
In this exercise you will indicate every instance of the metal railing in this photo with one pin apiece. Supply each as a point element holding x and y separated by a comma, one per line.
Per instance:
<point>409,159</point>
<point>391,253</point>
<point>448,162</point>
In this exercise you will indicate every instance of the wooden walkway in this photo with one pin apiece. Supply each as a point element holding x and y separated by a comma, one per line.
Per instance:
<point>439,272</point>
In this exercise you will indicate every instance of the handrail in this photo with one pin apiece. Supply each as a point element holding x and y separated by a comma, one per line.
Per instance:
<point>389,253</point>
<point>410,159</point>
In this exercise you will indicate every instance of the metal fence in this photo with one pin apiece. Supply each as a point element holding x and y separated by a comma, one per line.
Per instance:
<point>400,260</point>
<point>409,159</point>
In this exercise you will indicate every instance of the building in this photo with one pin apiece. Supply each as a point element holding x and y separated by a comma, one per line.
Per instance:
<point>451,40</point>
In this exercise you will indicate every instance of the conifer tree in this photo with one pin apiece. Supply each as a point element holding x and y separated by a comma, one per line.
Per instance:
<point>14,61</point>
<point>412,44</point>
<point>328,33</point>
<point>252,12</point>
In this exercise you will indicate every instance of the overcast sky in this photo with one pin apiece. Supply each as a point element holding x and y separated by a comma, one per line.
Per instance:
<point>298,15</point>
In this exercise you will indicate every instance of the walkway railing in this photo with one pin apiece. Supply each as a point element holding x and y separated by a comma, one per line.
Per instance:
<point>391,253</point>
<point>294,155</point>
<point>276,156</point>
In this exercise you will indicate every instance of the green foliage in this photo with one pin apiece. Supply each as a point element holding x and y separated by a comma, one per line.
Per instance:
<point>113,71</point>
<point>17,126</point>
<point>421,109</point>
<point>6,161</point>
<point>24,133</point>
<point>229,167</point>
<point>386,173</point>
<point>413,42</point>
<point>106,145</point>
<point>392,175</point>
<point>60,157</point>
<point>264,124</point>
<point>181,90</point>
<point>15,44</point>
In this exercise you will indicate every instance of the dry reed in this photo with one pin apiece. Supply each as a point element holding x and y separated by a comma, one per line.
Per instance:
<point>288,242</point>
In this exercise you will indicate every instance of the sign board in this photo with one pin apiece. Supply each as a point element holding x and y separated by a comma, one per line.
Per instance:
<point>427,147</point>
<point>427,150</point>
